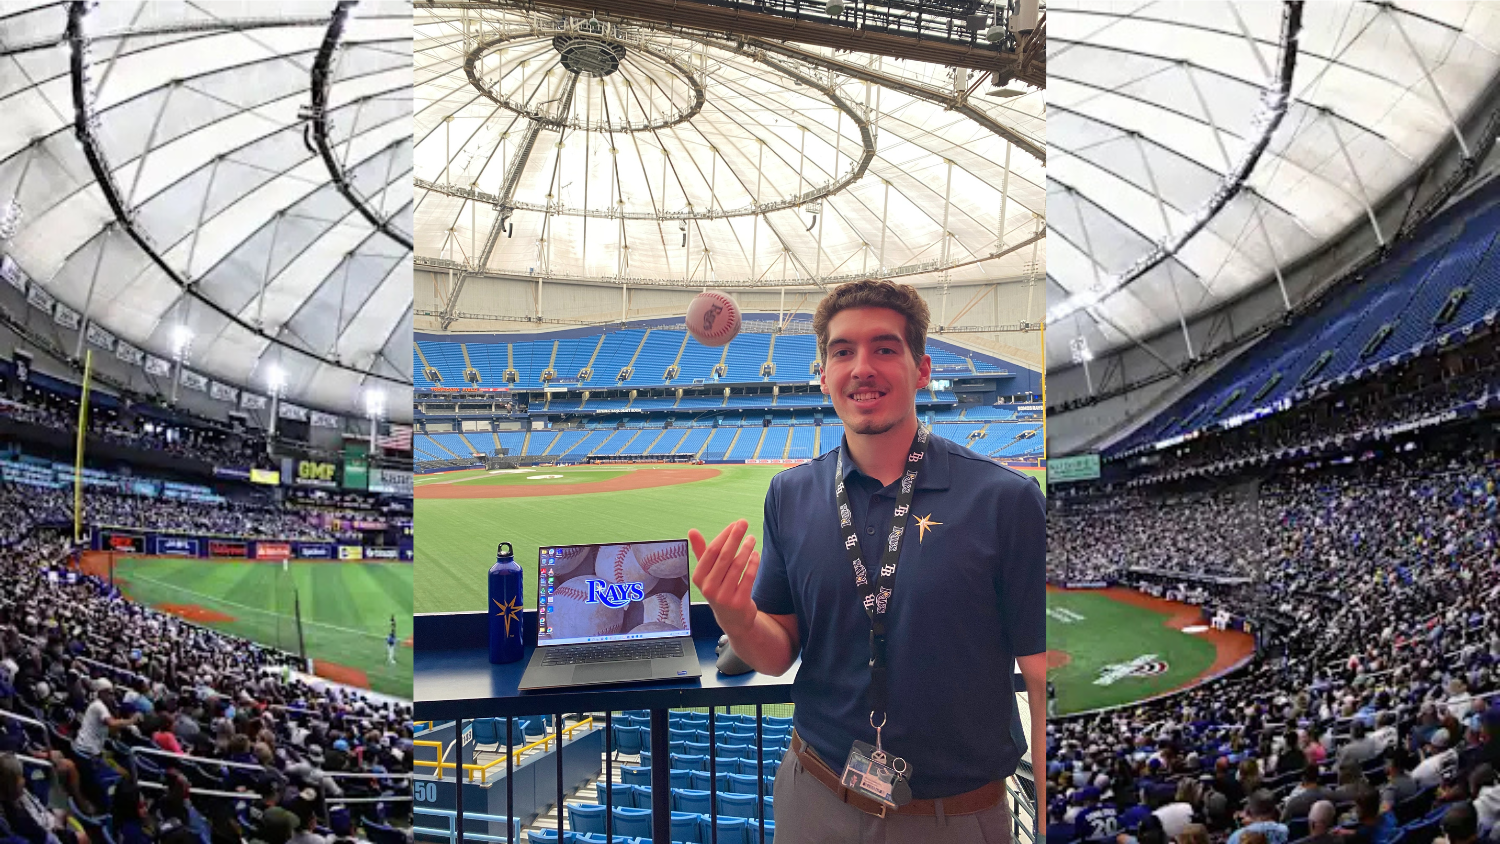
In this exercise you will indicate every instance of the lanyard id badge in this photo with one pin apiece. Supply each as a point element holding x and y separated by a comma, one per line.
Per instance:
<point>871,770</point>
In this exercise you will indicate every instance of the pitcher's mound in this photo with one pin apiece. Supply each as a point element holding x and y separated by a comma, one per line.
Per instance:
<point>1057,659</point>
<point>196,613</point>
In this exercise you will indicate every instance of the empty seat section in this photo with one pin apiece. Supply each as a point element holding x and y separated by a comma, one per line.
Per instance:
<point>775,442</point>
<point>792,356</point>
<point>803,437</point>
<point>829,437</point>
<point>539,442</point>
<point>746,353</point>
<point>744,447</point>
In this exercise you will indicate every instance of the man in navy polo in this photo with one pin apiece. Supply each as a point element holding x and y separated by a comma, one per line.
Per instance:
<point>968,597</point>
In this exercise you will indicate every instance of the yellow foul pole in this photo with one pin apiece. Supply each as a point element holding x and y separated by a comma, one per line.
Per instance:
<point>83,426</point>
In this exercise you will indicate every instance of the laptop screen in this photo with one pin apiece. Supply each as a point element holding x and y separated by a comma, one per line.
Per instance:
<point>612,593</point>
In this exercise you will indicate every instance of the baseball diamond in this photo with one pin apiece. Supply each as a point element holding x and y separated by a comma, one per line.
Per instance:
<point>1114,647</point>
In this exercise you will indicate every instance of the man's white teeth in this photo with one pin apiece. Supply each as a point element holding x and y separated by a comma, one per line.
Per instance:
<point>866,396</point>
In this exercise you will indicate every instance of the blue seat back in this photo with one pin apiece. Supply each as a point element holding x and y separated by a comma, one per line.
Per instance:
<point>586,818</point>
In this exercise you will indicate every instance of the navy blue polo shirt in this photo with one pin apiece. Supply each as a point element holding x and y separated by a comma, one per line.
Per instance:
<point>969,598</point>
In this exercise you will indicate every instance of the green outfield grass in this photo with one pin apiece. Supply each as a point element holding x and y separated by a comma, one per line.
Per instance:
<point>346,607</point>
<point>1100,632</point>
<point>458,536</point>
<point>1039,474</point>
<point>529,477</point>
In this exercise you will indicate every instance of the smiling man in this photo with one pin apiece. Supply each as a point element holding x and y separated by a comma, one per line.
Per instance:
<point>908,571</point>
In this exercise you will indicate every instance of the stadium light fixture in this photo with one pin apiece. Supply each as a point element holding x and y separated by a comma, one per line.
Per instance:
<point>275,378</point>
<point>375,403</point>
<point>182,337</point>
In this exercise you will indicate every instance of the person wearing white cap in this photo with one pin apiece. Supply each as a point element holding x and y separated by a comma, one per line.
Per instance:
<point>98,721</point>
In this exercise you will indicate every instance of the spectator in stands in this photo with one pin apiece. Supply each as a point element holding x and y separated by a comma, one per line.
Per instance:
<point>1485,786</point>
<point>1438,758</point>
<point>1193,833</point>
<point>1399,786</point>
<point>1261,816</point>
<point>1362,748</point>
<point>26,816</point>
<point>1308,792</point>
<point>129,821</point>
<point>1460,824</point>
<point>1321,818</point>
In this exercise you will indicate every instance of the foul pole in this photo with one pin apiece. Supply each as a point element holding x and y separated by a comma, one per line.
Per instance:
<point>83,426</point>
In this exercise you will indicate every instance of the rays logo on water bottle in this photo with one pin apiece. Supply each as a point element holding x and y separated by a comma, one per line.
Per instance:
<point>615,595</point>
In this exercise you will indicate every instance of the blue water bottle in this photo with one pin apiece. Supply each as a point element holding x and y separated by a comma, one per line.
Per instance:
<point>506,607</point>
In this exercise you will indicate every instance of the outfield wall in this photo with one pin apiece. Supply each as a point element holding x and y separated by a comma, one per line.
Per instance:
<point>201,546</point>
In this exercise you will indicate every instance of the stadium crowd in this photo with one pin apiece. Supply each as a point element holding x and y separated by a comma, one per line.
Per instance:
<point>33,505</point>
<point>184,441</point>
<point>1372,719</point>
<point>122,724</point>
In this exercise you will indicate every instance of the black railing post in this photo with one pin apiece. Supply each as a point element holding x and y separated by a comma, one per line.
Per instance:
<point>760,776</point>
<point>661,776</point>
<point>557,726</point>
<point>458,781</point>
<point>713,778</point>
<point>510,781</point>
<point>609,779</point>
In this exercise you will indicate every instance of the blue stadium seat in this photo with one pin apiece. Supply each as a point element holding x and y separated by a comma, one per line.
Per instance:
<point>584,818</point>
<point>633,822</point>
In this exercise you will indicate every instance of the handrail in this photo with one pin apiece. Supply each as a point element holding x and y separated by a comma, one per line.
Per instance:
<point>156,751</point>
<point>484,769</point>
<point>567,733</point>
<point>5,713</point>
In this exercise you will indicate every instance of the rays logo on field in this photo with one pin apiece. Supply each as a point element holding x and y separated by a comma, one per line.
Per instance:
<point>1147,665</point>
<point>615,595</point>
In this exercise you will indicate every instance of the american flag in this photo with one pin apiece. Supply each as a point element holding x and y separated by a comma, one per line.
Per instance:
<point>399,439</point>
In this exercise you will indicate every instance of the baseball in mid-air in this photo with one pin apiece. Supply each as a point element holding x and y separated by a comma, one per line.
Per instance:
<point>713,318</point>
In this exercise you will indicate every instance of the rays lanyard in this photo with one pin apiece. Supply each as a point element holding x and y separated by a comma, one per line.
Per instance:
<point>875,592</point>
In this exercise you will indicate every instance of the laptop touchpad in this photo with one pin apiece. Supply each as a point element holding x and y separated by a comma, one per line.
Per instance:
<point>606,672</point>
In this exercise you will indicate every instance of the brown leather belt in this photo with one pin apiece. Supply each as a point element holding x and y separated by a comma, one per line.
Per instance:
<point>967,803</point>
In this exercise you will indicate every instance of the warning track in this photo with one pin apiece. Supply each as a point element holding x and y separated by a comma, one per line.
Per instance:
<point>640,479</point>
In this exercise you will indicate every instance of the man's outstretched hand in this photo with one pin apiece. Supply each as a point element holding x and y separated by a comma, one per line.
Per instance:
<point>726,573</point>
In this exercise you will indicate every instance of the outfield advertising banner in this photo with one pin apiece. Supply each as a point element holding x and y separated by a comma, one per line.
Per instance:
<point>177,546</point>
<point>128,543</point>
<point>315,551</point>
<point>408,554</point>
<point>273,550</point>
<point>382,554</point>
<point>227,548</point>
<point>391,482</point>
<point>351,552</point>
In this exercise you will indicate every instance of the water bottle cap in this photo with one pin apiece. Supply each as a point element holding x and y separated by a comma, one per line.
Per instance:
<point>504,550</point>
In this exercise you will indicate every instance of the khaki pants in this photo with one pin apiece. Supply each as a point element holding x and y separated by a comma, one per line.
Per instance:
<point>808,813</point>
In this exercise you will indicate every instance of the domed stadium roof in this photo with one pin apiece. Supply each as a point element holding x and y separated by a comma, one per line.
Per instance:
<point>653,155</point>
<point>229,179</point>
<point>1199,146</point>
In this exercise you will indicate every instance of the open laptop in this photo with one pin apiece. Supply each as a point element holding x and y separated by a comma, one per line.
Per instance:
<point>612,613</point>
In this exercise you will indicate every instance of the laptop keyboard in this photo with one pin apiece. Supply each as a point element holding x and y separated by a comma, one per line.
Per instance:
<point>624,652</point>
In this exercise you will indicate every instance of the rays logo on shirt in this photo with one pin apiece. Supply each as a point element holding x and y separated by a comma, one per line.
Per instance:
<point>615,595</point>
<point>901,510</point>
<point>845,519</point>
<point>907,480</point>
<point>859,573</point>
<point>894,541</point>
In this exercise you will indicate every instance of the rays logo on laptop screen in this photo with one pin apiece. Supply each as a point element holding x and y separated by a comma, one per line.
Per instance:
<point>610,593</point>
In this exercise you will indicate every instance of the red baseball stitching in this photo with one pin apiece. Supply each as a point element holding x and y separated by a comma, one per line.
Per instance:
<point>663,609</point>
<point>656,557</point>
<point>619,563</point>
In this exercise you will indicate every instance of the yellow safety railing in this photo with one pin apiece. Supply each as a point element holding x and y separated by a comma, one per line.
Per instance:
<point>483,770</point>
